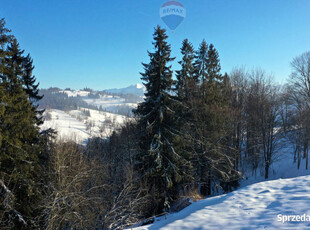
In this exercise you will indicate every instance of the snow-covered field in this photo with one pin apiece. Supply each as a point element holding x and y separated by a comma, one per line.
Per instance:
<point>75,93</point>
<point>108,102</point>
<point>76,125</point>
<point>256,206</point>
<point>284,167</point>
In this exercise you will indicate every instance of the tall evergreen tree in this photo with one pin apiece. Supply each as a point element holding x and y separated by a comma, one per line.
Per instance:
<point>4,39</point>
<point>211,122</point>
<point>158,160</point>
<point>213,65</point>
<point>201,63</point>
<point>186,89</point>
<point>31,87</point>
<point>186,76</point>
<point>19,166</point>
<point>29,80</point>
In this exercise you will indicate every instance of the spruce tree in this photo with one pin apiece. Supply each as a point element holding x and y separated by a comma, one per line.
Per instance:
<point>20,149</point>
<point>158,161</point>
<point>186,75</point>
<point>2,109</point>
<point>213,65</point>
<point>4,39</point>
<point>31,87</point>
<point>211,122</point>
<point>201,63</point>
<point>186,89</point>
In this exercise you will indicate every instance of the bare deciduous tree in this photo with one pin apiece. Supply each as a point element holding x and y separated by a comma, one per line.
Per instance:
<point>299,98</point>
<point>262,117</point>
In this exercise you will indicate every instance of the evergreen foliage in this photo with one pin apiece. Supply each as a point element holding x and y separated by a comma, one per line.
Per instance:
<point>31,87</point>
<point>186,76</point>
<point>190,135</point>
<point>210,123</point>
<point>158,160</point>
<point>201,62</point>
<point>20,139</point>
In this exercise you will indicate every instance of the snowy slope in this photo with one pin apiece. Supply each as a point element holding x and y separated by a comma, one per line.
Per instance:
<point>75,93</point>
<point>283,167</point>
<point>66,126</point>
<point>255,206</point>
<point>110,103</point>
<point>75,125</point>
<point>106,113</point>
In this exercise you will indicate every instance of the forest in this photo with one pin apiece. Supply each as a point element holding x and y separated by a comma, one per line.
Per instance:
<point>193,136</point>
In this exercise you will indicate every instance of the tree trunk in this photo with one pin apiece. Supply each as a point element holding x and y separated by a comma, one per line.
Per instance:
<point>307,156</point>
<point>267,170</point>
<point>298,157</point>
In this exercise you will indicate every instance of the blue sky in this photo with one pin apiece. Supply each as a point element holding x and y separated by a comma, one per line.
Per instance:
<point>101,44</point>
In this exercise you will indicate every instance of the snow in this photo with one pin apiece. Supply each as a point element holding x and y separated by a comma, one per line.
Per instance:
<point>252,206</point>
<point>108,102</point>
<point>75,93</point>
<point>75,125</point>
<point>282,167</point>
<point>255,206</point>
<point>66,126</point>
<point>140,86</point>
<point>137,89</point>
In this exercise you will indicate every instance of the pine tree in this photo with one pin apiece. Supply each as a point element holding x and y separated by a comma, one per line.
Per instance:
<point>2,109</point>
<point>186,89</point>
<point>211,122</point>
<point>186,76</point>
<point>4,39</point>
<point>31,88</point>
<point>158,161</point>
<point>200,64</point>
<point>20,149</point>
<point>213,65</point>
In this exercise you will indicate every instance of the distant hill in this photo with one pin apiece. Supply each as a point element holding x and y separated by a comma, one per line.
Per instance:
<point>86,113</point>
<point>137,89</point>
<point>118,101</point>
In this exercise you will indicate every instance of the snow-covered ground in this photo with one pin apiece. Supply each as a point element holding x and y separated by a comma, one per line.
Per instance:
<point>256,206</point>
<point>283,167</point>
<point>110,103</point>
<point>75,93</point>
<point>252,206</point>
<point>76,125</point>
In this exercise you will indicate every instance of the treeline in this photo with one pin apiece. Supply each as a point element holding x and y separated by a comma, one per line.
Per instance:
<point>196,135</point>
<point>55,98</point>
<point>191,137</point>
